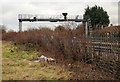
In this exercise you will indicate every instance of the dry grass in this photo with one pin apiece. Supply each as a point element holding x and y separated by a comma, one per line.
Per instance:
<point>58,42</point>
<point>27,70</point>
<point>20,68</point>
<point>65,45</point>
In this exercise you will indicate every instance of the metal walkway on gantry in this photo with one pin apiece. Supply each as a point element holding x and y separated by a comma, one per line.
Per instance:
<point>53,18</point>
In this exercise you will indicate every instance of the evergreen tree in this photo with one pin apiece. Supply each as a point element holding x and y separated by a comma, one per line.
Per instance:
<point>97,15</point>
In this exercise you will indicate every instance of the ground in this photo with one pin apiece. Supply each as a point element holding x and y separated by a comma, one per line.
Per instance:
<point>16,65</point>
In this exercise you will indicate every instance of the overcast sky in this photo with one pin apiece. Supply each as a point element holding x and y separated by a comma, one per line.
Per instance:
<point>9,10</point>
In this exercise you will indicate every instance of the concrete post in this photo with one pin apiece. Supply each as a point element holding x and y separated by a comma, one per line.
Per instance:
<point>119,13</point>
<point>20,26</point>
<point>86,29</point>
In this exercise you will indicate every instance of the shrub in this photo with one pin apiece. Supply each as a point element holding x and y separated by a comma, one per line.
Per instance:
<point>62,42</point>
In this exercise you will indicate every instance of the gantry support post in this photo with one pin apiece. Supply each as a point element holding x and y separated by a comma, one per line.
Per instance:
<point>20,26</point>
<point>119,13</point>
<point>86,29</point>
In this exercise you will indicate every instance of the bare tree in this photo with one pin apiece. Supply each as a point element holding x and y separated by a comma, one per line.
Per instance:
<point>2,29</point>
<point>70,24</point>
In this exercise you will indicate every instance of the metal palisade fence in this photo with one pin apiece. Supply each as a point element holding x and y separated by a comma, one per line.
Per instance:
<point>103,52</point>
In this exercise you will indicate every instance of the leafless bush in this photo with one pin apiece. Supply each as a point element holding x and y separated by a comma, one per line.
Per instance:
<point>62,42</point>
<point>9,36</point>
<point>65,44</point>
<point>2,29</point>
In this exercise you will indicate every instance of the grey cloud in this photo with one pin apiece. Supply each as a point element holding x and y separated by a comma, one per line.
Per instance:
<point>11,10</point>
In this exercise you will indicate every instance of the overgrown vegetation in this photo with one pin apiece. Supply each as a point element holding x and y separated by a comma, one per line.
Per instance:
<point>112,31</point>
<point>67,46</point>
<point>16,65</point>
<point>58,42</point>
<point>20,68</point>
<point>2,29</point>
